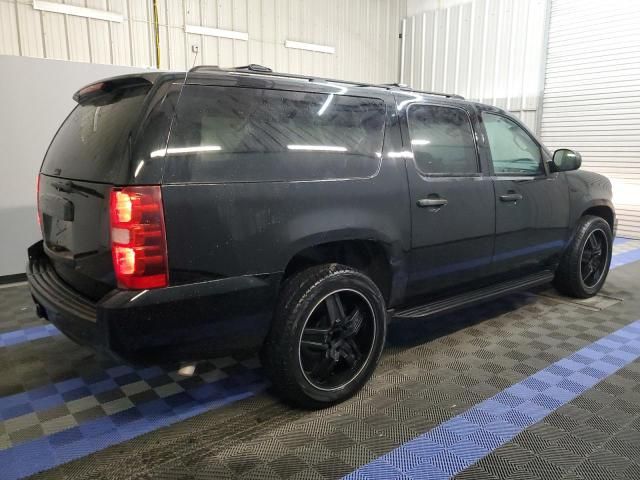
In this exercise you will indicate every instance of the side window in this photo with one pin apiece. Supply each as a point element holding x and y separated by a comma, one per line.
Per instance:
<point>442,140</point>
<point>513,151</point>
<point>232,134</point>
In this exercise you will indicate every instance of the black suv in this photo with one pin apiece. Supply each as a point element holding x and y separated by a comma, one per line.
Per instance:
<point>201,213</point>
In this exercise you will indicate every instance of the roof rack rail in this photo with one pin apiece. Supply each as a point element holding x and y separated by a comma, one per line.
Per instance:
<point>301,77</point>
<point>402,86</point>
<point>254,67</point>
<point>204,67</point>
<point>397,85</point>
<point>262,70</point>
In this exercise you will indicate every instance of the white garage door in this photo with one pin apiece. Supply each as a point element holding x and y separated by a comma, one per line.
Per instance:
<point>592,94</point>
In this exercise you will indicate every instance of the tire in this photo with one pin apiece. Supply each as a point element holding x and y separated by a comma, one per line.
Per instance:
<point>574,264</point>
<point>324,368</point>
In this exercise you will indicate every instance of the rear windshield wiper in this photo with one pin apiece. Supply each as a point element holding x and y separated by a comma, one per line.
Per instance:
<point>70,187</point>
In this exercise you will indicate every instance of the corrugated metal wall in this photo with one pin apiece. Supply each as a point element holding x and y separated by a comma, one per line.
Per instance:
<point>592,94</point>
<point>363,32</point>
<point>486,50</point>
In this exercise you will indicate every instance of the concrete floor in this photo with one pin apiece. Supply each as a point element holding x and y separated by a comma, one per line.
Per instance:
<point>534,385</point>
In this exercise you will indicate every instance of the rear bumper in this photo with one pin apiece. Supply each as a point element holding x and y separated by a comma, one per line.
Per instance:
<point>72,313</point>
<point>191,321</point>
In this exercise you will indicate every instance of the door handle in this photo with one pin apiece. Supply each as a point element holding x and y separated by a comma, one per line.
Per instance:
<point>432,202</point>
<point>510,197</point>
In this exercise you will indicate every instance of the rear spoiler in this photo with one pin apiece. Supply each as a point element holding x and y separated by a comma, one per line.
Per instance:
<point>90,92</point>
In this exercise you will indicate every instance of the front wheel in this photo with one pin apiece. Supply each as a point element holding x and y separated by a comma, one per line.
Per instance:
<point>584,266</point>
<point>327,335</point>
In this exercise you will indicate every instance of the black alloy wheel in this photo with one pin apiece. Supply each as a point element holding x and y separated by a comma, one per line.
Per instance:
<point>584,264</point>
<point>327,335</point>
<point>594,256</point>
<point>337,339</point>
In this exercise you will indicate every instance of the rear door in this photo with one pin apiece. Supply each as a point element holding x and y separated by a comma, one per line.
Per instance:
<point>89,154</point>
<point>532,205</point>
<point>255,175</point>
<point>452,199</point>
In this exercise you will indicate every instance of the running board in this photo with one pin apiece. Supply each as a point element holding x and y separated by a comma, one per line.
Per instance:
<point>475,296</point>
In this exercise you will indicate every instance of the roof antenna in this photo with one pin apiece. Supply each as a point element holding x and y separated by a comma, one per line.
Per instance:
<point>195,49</point>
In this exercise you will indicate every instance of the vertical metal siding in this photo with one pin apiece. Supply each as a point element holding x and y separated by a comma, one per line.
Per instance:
<point>9,40</point>
<point>363,32</point>
<point>592,94</point>
<point>487,50</point>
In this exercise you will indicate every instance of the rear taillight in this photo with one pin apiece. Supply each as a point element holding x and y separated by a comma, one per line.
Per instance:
<point>38,200</point>
<point>138,244</point>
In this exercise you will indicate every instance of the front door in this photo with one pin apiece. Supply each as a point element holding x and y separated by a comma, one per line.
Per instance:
<point>532,205</point>
<point>452,199</point>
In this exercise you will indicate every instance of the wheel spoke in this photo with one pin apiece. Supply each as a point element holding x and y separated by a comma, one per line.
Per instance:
<point>315,339</point>
<point>593,242</point>
<point>353,323</point>
<point>354,347</point>
<point>317,334</point>
<point>349,354</point>
<point>324,367</point>
<point>334,308</point>
<point>314,346</point>
<point>588,273</point>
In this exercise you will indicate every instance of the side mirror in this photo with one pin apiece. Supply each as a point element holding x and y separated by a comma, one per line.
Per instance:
<point>565,160</point>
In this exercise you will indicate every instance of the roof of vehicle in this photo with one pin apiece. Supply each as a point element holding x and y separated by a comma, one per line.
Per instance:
<point>259,70</point>
<point>253,75</point>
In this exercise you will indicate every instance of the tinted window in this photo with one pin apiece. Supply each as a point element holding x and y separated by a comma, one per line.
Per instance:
<point>442,140</point>
<point>241,134</point>
<point>91,142</point>
<point>512,149</point>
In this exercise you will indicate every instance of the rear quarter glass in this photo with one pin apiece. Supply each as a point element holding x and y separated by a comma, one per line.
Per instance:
<point>92,143</point>
<point>232,134</point>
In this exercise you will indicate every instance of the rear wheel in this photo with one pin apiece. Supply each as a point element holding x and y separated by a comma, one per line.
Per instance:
<point>585,265</point>
<point>328,333</point>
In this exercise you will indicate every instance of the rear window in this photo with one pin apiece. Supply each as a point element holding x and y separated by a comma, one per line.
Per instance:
<point>90,144</point>
<point>231,134</point>
<point>442,140</point>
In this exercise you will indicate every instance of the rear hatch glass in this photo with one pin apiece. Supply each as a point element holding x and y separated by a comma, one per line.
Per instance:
<point>90,143</point>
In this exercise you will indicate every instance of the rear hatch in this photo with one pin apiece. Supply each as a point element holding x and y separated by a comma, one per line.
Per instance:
<point>90,153</point>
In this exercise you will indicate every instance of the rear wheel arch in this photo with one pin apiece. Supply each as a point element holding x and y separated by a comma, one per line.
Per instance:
<point>371,257</point>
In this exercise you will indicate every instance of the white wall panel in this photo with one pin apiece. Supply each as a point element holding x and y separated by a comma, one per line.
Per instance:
<point>592,94</point>
<point>77,35</point>
<point>486,50</point>
<point>37,108</point>
<point>363,32</point>
<point>53,27</point>
<point>30,35</point>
